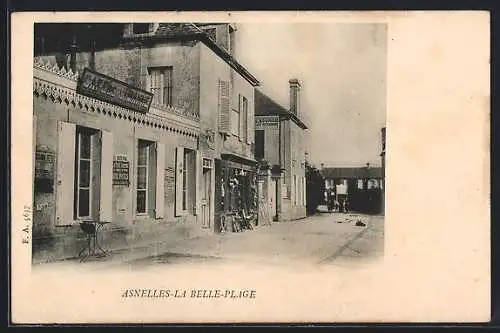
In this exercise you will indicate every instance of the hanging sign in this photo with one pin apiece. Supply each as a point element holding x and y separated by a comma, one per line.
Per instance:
<point>121,171</point>
<point>108,89</point>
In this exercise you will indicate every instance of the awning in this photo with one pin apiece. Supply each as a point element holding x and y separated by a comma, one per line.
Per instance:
<point>238,162</point>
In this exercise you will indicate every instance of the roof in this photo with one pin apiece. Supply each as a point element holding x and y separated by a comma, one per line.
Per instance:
<point>182,31</point>
<point>352,173</point>
<point>266,106</point>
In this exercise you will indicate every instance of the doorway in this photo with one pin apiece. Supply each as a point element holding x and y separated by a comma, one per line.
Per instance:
<point>206,186</point>
<point>273,197</point>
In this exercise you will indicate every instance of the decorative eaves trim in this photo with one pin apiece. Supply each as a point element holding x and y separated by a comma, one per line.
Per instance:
<point>60,94</point>
<point>46,71</point>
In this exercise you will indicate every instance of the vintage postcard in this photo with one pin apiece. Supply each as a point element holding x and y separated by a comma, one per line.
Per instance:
<point>257,167</point>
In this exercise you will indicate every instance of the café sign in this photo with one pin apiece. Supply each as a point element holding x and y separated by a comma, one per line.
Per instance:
<point>262,122</point>
<point>108,89</point>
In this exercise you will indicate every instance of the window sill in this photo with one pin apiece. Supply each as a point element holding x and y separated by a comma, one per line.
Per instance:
<point>142,216</point>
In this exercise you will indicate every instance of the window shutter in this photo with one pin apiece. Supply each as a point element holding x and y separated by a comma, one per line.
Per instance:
<point>179,167</point>
<point>250,123</point>
<point>224,98</point>
<point>198,170</point>
<point>160,181</point>
<point>65,186</point>
<point>106,190</point>
<point>241,118</point>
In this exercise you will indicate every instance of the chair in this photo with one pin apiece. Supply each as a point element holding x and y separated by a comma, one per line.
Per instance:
<point>89,229</point>
<point>247,220</point>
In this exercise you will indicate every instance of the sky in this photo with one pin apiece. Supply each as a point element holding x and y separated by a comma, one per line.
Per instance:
<point>342,70</point>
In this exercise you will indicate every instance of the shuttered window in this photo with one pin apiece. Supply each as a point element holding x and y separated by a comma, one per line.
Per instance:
<point>84,174</point>
<point>224,106</point>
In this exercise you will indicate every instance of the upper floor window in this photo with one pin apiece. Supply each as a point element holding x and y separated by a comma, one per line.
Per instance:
<point>235,119</point>
<point>160,84</point>
<point>244,119</point>
<point>141,28</point>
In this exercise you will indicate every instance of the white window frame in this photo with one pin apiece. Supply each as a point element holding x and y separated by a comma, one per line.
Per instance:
<point>80,134</point>
<point>234,121</point>
<point>243,135</point>
<point>158,84</point>
<point>147,146</point>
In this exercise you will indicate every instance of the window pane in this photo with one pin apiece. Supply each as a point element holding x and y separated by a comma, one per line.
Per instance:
<point>84,178</point>
<point>167,96</point>
<point>141,178</point>
<point>141,201</point>
<point>85,142</point>
<point>142,155</point>
<point>84,202</point>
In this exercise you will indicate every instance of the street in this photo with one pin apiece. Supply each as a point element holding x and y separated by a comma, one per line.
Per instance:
<point>323,239</point>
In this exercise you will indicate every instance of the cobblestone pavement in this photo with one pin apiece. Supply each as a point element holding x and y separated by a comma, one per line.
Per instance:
<point>325,239</point>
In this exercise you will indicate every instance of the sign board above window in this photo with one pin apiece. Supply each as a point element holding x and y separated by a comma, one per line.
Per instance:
<point>108,89</point>
<point>262,122</point>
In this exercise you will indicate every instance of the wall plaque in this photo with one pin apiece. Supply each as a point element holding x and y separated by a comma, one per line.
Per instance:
<point>108,89</point>
<point>169,185</point>
<point>44,170</point>
<point>121,171</point>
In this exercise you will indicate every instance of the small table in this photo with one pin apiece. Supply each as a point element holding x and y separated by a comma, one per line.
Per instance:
<point>93,246</point>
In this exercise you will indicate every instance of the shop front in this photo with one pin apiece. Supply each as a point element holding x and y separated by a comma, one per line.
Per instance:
<point>236,193</point>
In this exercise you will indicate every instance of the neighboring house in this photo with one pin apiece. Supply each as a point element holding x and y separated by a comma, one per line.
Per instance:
<point>166,113</point>
<point>280,144</point>
<point>353,182</point>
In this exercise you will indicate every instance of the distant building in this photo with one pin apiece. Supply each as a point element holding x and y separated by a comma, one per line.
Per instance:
<point>354,184</point>
<point>280,144</point>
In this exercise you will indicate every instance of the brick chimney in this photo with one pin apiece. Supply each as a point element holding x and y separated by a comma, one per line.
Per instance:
<point>295,96</point>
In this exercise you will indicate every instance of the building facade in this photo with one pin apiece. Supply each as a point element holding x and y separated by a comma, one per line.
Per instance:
<point>280,148</point>
<point>144,130</point>
<point>362,187</point>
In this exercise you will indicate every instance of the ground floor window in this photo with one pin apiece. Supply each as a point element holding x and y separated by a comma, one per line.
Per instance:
<point>145,177</point>
<point>86,174</point>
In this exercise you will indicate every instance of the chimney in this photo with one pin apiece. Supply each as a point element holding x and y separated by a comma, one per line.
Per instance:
<point>73,47</point>
<point>295,97</point>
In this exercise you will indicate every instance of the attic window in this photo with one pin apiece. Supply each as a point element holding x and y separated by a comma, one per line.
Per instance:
<point>141,28</point>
